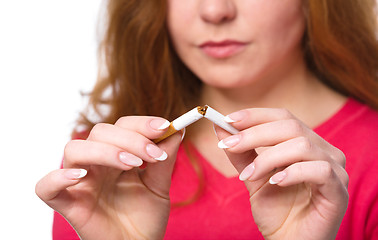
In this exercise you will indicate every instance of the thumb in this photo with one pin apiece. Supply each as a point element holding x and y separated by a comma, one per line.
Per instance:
<point>52,188</point>
<point>157,176</point>
<point>243,162</point>
<point>239,160</point>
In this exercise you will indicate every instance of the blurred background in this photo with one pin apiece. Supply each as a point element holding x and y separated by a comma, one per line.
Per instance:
<point>47,56</point>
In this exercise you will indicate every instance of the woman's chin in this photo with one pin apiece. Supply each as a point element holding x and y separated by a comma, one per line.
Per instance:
<point>228,82</point>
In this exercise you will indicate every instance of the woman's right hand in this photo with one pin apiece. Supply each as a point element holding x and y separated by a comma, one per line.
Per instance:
<point>116,199</point>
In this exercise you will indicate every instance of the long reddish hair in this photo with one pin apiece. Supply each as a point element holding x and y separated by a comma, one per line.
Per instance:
<point>144,76</point>
<point>341,46</point>
<point>139,73</point>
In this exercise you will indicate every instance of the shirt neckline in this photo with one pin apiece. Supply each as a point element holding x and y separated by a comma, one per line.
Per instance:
<point>349,111</point>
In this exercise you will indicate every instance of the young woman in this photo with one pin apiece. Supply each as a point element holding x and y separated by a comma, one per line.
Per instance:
<point>297,78</point>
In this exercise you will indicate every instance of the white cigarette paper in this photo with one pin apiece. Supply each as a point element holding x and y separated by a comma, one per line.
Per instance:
<point>193,116</point>
<point>218,119</point>
<point>186,119</point>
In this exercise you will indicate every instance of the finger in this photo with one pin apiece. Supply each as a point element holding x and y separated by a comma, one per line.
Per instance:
<point>50,186</point>
<point>285,154</point>
<point>151,127</point>
<point>243,162</point>
<point>254,116</point>
<point>82,153</point>
<point>264,135</point>
<point>157,176</point>
<point>251,117</point>
<point>319,173</point>
<point>239,160</point>
<point>129,140</point>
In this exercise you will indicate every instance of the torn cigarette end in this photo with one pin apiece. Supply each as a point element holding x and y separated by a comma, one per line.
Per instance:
<point>202,110</point>
<point>170,131</point>
<point>194,115</point>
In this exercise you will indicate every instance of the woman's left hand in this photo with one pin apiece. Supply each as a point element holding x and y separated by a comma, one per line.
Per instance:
<point>296,180</point>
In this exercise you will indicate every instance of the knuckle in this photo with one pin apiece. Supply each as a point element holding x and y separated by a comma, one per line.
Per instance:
<point>97,130</point>
<point>99,127</point>
<point>41,188</point>
<point>284,113</point>
<point>340,157</point>
<point>122,121</point>
<point>345,179</point>
<point>295,127</point>
<point>342,175</point>
<point>304,144</point>
<point>325,169</point>
<point>69,149</point>
<point>37,190</point>
<point>299,171</point>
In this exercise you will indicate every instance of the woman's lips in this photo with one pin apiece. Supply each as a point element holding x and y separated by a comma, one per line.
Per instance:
<point>223,49</point>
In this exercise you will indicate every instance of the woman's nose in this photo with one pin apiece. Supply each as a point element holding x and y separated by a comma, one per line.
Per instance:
<point>217,11</point>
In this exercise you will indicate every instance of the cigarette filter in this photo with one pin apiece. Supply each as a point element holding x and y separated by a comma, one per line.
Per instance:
<point>181,122</point>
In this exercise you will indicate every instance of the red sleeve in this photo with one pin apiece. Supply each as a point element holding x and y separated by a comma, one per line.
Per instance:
<point>62,230</point>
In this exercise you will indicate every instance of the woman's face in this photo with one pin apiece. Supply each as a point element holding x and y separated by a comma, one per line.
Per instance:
<point>232,43</point>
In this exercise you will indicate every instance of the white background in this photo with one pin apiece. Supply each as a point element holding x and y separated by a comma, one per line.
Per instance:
<point>47,56</point>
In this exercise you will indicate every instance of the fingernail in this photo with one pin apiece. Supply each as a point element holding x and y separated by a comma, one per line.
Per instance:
<point>183,133</point>
<point>130,159</point>
<point>159,124</point>
<point>216,134</point>
<point>247,172</point>
<point>235,117</point>
<point>75,173</point>
<point>277,178</point>
<point>229,141</point>
<point>156,153</point>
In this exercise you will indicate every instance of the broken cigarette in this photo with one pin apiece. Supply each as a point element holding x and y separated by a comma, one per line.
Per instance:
<point>218,119</point>
<point>194,115</point>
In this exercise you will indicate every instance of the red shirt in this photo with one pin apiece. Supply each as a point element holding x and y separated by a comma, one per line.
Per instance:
<point>223,211</point>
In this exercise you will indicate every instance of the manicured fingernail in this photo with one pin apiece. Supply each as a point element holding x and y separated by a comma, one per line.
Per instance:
<point>159,124</point>
<point>247,172</point>
<point>216,134</point>
<point>277,178</point>
<point>130,159</point>
<point>156,153</point>
<point>235,117</point>
<point>75,173</point>
<point>229,141</point>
